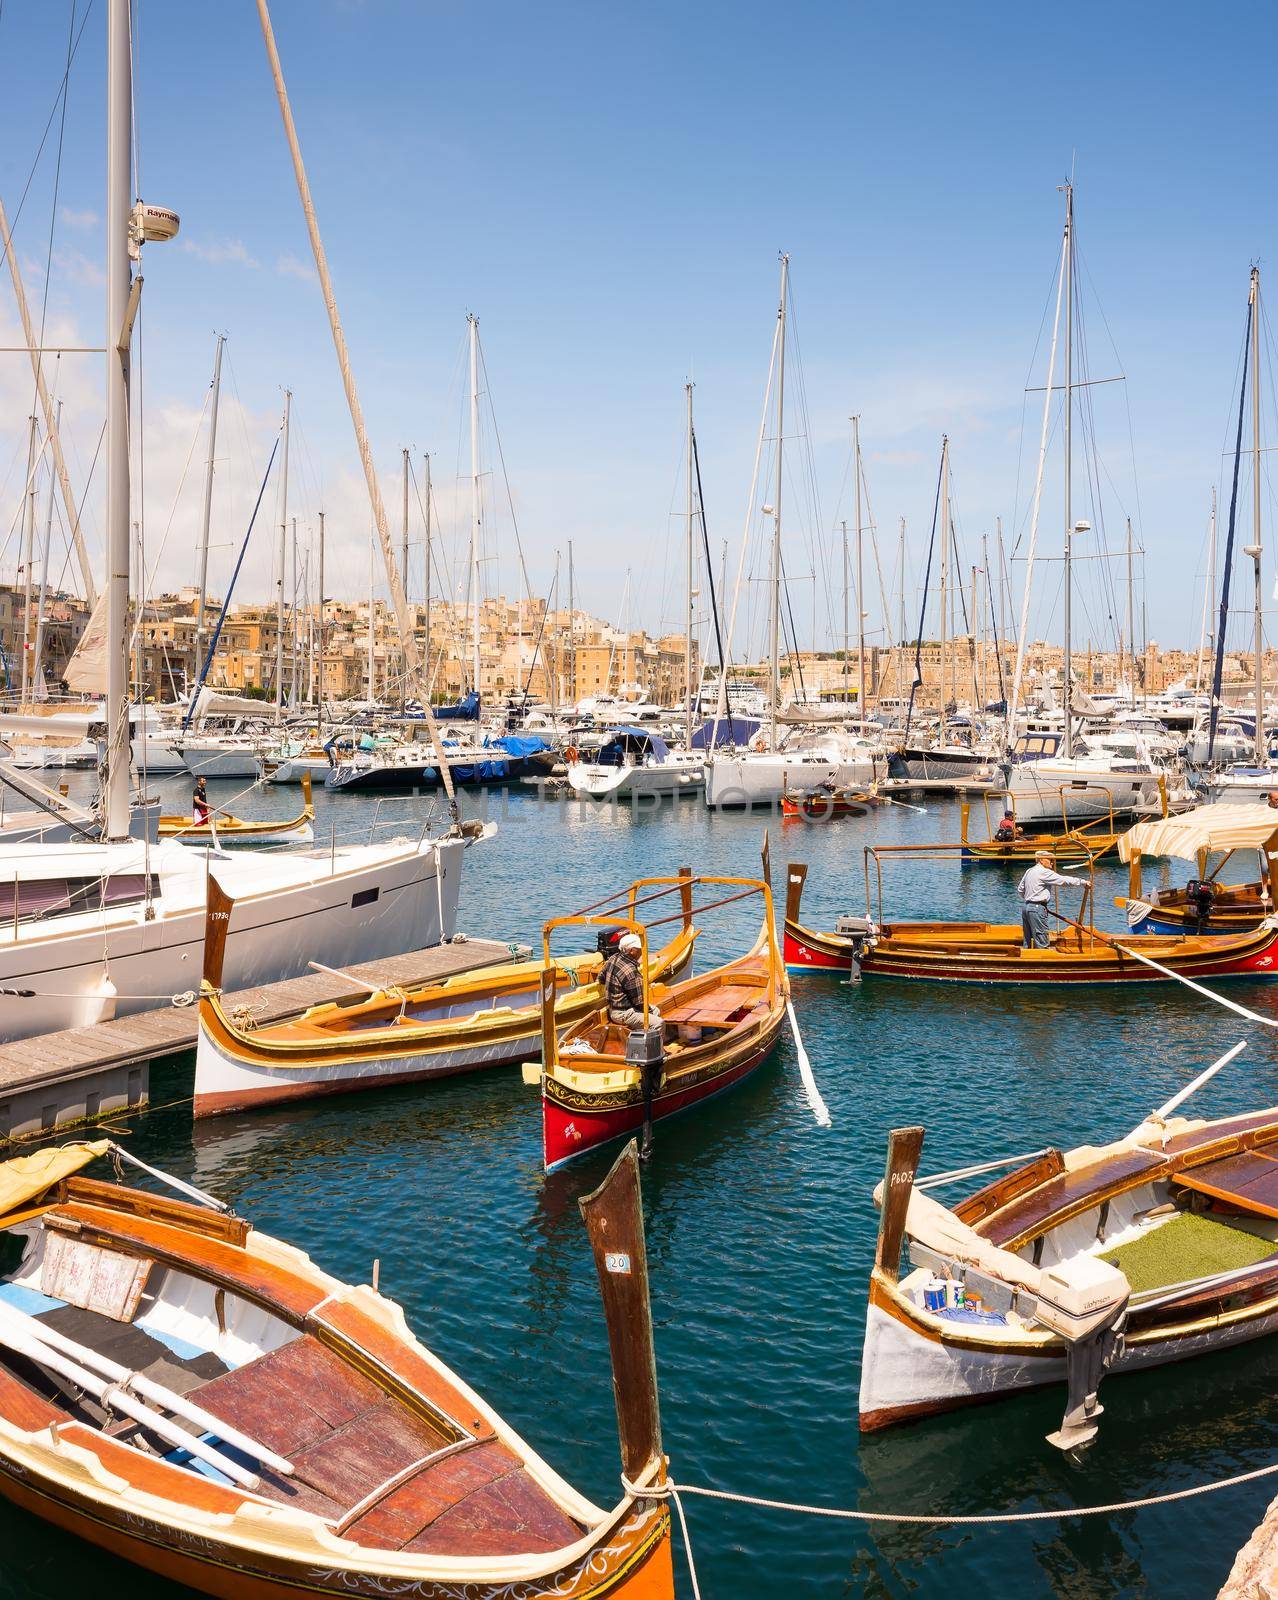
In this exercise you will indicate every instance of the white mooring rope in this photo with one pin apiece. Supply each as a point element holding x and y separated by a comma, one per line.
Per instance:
<point>672,1491</point>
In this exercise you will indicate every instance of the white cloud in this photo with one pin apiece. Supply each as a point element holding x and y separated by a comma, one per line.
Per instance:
<point>82,221</point>
<point>293,267</point>
<point>73,266</point>
<point>218,251</point>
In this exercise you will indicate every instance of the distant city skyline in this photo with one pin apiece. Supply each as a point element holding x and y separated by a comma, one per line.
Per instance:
<point>608,192</point>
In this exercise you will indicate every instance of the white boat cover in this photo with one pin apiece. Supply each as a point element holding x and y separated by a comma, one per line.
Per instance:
<point>1217,827</point>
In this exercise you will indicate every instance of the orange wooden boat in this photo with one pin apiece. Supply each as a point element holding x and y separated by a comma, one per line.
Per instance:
<point>601,1081</point>
<point>203,1400</point>
<point>1205,904</point>
<point>989,952</point>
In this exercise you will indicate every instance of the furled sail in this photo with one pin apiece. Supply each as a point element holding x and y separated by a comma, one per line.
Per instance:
<point>87,669</point>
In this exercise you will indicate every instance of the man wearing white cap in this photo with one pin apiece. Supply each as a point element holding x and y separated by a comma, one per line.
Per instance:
<point>1033,893</point>
<point>623,984</point>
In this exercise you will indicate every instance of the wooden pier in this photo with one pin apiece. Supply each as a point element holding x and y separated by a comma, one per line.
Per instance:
<point>82,1073</point>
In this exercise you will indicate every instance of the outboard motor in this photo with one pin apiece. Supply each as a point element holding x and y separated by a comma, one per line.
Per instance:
<point>645,1049</point>
<point>1200,896</point>
<point>1085,1301</point>
<point>607,940</point>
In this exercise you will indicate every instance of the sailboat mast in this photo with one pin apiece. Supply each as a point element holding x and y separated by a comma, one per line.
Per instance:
<point>295,638</point>
<point>572,636</point>
<point>1207,631</point>
<point>37,654</point>
<point>1068,270</point>
<point>319,696</point>
<point>207,513</point>
<point>945,561</point>
<point>403,538</point>
<point>426,690</point>
<point>847,638</point>
<point>860,574</point>
<point>118,346</point>
<point>474,501</point>
<point>28,555</point>
<point>279,587</point>
<point>1256,549</point>
<point>370,617</point>
<point>774,651</point>
<point>1131,613</point>
<point>687,643</point>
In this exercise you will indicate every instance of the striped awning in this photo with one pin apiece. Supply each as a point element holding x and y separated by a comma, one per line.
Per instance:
<point>1214,828</point>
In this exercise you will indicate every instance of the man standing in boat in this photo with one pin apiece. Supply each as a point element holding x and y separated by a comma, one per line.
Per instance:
<point>1033,891</point>
<point>623,984</point>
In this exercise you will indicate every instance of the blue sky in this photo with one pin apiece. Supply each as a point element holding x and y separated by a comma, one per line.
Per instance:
<point>607,188</point>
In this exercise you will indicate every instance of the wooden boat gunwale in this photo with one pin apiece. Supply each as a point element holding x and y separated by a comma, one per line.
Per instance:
<point>187,831</point>
<point>984,952</point>
<point>569,1079</point>
<point>202,1531</point>
<point>1223,1305</point>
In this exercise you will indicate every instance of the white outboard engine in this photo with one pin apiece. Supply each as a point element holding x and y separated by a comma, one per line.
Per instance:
<point>1085,1301</point>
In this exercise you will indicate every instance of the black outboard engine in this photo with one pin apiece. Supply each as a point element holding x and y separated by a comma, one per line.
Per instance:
<point>607,940</point>
<point>1200,898</point>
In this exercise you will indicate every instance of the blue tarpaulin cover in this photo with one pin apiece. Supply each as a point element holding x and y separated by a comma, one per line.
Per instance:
<point>519,745</point>
<point>731,731</point>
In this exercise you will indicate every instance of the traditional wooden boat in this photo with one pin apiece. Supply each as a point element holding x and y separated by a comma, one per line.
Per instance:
<point>991,952</point>
<point>820,804</point>
<point>1075,846</point>
<point>222,829</point>
<point>1157,1247</point>
<point>1204,904</point>
<point>203,1400</point>
<point>485,1018</point>
<point>601,1081</point>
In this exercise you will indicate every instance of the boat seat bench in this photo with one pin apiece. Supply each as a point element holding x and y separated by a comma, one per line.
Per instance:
<point>347,1440</point>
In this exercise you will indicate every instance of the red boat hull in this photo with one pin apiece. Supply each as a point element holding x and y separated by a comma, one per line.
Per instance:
<point>809,950</point>
<point>570,1131</point>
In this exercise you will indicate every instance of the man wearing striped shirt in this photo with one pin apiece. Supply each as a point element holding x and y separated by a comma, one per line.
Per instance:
<point>1033,890</point>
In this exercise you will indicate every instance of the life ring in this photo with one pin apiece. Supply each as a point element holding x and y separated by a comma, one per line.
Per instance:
<point>570,754</point>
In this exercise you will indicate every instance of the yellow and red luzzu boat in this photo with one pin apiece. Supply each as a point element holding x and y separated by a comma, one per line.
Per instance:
<point>1205,904</point>
<point>222,829</point>
<point>1154,1248</point>
<point>485,1018</point>
<point>203,1400</point>
<point>990,952</point>
<point>602,1081</point>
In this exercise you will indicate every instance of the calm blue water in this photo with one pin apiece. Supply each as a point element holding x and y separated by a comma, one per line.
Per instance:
<point>760,1236</point>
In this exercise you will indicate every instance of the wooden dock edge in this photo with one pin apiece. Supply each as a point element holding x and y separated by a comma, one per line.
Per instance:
<point>82,1075</point>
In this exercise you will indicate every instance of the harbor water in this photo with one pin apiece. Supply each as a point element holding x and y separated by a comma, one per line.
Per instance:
<point>760,1232</point>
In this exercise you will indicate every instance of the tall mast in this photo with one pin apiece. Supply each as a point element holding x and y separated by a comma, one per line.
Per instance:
<point>847,637</point>
<point>572,635</point>
<point>118,345</point>
<point>371,569</point>
<point>687,643</point>
<point>985,623</point>
<point>474,501</point>
<point>319,696</point>
<point>37,654</point>
<point>1256,549</point>
<point>28,555</point>
<point>403,540</point>
<point>279,587</point>
<point>1068,269</point>
<point>426,690</point>
<point>1207,631</point>
<point>1131,613</point>
<point>860,573</point>
<point>945,560</point>
<point>207,513</point>
<point>898,675</point>
<point>294,636</point>
<point>774,650</point>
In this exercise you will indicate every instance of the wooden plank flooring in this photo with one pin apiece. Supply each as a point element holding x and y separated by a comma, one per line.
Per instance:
<point>54,1057</point>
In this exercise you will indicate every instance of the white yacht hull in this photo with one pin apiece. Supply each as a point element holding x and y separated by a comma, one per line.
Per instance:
<point>365,902</point>
<point>625,783</point>
<point>219,761</point>
<point>740,782</point>
<point>1049,791</point>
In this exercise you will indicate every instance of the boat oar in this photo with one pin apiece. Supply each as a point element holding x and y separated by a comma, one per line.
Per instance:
<point>1198,988</point>
<point>891,800</point>
<point>1179,1098</point>
<point>819,1109</point>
